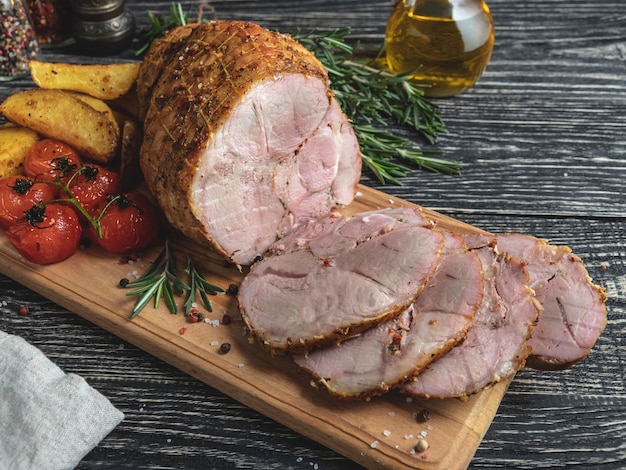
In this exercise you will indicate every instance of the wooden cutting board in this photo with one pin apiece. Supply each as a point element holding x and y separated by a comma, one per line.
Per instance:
<point>379,433</point>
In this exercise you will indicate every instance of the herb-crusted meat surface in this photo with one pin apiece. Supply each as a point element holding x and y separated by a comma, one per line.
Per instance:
<point>243,139</point>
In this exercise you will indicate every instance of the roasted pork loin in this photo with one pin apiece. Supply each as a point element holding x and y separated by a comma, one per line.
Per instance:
<point>394,351</point>
<point>351,277</point>
<point>574,310</point>
<point>496,346</point>
<point>243,139</point>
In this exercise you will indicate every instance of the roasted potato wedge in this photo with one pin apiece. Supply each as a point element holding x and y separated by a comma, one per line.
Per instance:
<point>99,105</point>
<point>104,81</point>
<point>14,144</point>
<point>59,115</point>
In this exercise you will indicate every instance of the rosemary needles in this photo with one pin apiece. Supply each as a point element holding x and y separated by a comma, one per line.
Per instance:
<point>162,281</point>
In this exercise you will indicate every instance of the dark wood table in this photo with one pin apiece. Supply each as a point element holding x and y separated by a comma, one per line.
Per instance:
<point>542,138</point>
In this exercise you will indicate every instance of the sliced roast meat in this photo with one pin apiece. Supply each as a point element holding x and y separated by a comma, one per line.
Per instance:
<point>326,292</point>
<point>335,233</point>
<point>396,350</point>
<point>574,310</point>
<point>243,139</point>
<point>496,346</point>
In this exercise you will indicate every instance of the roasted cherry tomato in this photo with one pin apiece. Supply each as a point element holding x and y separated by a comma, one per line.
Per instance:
<point>50,160</point>
<point>92,186</point>
<point>130,224</point>
<point>18,194</point>
<point>48,234</point>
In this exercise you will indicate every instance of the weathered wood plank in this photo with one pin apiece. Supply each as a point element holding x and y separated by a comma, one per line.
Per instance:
<point>542,139</point>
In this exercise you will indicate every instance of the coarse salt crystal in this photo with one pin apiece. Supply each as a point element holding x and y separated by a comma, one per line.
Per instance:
<point>392,413</point>
<point>214,343</point>
<point>359,194</point>
<point>374,444</point>
<point>408,436</point>
<point>240,365</point>
<point>386,433</point>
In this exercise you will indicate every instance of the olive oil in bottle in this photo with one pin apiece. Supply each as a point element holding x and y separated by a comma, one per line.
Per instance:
<point>442,43</point>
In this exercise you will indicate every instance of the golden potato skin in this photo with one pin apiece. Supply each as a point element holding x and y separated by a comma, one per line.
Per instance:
<point>103,81</point>
<point>59,115</point>
<point>14,144</point>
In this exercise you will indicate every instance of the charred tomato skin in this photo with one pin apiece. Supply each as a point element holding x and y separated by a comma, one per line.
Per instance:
<point>50,160</point>
<point>18,193</point>
<point>50,240</point>
<point>130,226</point>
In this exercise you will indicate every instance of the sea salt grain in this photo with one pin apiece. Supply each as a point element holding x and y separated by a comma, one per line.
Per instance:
<point>386,433</point>
<point>374,444</point>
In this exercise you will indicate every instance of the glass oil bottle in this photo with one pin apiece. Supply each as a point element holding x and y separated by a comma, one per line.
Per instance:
<point>442,43</point>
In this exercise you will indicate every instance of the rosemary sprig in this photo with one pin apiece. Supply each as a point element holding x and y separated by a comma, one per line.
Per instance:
<point>160,24</point>
<point>162,281</point>
<point>199,284</point>
<point>159,281</point>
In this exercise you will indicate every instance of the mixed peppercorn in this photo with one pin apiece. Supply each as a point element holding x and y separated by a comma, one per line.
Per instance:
<point>18,42</point>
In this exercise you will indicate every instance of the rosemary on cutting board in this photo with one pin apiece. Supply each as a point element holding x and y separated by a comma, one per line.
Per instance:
<point>369,96</point>
<point>162,281</point>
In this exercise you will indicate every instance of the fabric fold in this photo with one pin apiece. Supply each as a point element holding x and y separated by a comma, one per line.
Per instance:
<point>48,419</point>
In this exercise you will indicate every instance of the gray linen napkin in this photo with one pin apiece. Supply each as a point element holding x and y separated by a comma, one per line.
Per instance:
<point>48,419</point>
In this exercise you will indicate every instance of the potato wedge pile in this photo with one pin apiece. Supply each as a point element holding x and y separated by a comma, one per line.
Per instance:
<point>77,104</point>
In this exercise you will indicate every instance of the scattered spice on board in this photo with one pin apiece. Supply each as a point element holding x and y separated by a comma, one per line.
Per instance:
<point>422,416</point>
<point>23,310</point>
<point>18,42</point>
<point>225,348</point>
<point>233,289</point>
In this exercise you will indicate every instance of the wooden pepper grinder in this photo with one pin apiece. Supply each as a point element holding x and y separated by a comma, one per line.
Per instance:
<point>102,27</point>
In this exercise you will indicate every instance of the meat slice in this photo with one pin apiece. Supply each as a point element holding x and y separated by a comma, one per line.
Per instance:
<point>334,234</point>
<point>243,139</point>
<point>574,310</point>
<point>496,346</point>
<point>326,292</point>
<point>396,350</point>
